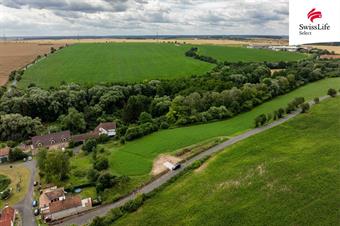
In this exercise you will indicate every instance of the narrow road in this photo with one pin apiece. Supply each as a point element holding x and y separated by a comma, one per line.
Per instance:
<point>25,206</point>
<point>103,210</point>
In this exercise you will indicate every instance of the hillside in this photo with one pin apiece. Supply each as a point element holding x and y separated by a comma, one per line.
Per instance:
<point>286,176</point>
<point>136,157</point>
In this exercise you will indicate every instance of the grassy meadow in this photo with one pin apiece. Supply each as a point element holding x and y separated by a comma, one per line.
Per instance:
<point>19,176</point>
<point>114,62</point>
<point>136,158</point>
<point>288,175</point>
<point>235,54</point>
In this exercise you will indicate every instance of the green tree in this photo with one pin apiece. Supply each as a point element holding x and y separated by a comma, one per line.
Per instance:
<point>90,145</point>
<point>73,121</point>
<point>101,164</point>
<point>332,92</point>
<point>56,166</point>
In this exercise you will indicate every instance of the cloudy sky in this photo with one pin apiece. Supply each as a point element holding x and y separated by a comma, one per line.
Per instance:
<point>143,17</point>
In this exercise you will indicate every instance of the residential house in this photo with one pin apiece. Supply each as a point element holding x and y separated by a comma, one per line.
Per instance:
<point>68,207</point>
<point>55,205</point>
<point>108,128</point>
<point>49,196</point>
<point>59,139</point>
<point>4,153</point>
<point>7,216</point>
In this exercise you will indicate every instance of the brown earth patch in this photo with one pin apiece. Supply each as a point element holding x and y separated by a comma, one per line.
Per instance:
<point>16,55</point>
<point>330,57</point>
<point>158,166</point>
<point>336,49</point>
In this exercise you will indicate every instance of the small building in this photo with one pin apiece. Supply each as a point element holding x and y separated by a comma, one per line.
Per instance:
<point>55,205</point>
<point>4,154</point>
<point>59,139</point>
<point>107,128</point>
<point>7,216</point>
<point>49,196</point>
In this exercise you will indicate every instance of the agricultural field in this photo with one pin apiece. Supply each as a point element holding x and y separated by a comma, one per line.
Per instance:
<point>114,62</point>
<point>135,62</point>
<point>16,55</point>
<point>136,158</point>
<point>235,54</point>
<point>288,175</point>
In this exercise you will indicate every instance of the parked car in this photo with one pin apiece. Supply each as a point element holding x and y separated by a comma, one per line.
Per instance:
<point>29,158</point>
<point>35,203</point>
<point>35,183</point>
<point>36,212</point>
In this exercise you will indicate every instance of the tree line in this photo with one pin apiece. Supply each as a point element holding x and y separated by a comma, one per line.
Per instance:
<point>140,109</point>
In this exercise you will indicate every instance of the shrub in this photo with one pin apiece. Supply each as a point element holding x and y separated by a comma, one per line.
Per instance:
<point>92,175</point>
<point>103,138</point>
<point>90,145</point>
<point>280,113</point>
<point>164,125</point>
<point>133,205</point>
<point>305,107</point>
<point>316,100</point>
<point>260,120</point>
<point>101,164</point>
<point>332,92</point>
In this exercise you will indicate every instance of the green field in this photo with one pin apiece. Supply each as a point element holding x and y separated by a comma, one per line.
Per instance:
<point>288,175</point>
<point>235,54</point>
<point>114,62</point>
<point>136,157</point>
<point>135,62</point>
<point>4,182</point>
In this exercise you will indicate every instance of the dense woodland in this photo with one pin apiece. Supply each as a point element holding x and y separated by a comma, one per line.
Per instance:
<point>140,109</point>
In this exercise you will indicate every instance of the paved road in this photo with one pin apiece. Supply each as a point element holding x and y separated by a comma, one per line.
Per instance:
<point>25,206</point>
<point>103,210</point>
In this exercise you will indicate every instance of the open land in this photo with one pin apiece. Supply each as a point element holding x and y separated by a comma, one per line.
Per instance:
<point>19,175</point>
<point>114,62</point>
<point>16,55</point>
<point>288,175</point>
<point>136,158</point>
<point>233,54</point>
<point>136,62</point>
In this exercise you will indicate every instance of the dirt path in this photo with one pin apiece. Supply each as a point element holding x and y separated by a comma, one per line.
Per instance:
<point>103,210</point>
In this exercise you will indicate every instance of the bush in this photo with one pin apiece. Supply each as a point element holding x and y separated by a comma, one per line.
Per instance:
<point>316,100</point>
<point>16,154</point>
<point>122,140</point>
<point>103,138</point>
<point>101,164</point>
<point>305,107</point>
<point>332,92</point>
<point>104,181</point>
<point>165,125</point>
<point>133,205</point>
<point>260,120</point>
<point>90,145</point>
<point>5,194</point>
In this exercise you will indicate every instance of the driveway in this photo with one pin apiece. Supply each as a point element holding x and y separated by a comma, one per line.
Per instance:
<point>25,206</point>
<point>103,210</point>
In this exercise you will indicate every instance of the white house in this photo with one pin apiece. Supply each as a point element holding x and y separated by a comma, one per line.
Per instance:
<point>108,128</point>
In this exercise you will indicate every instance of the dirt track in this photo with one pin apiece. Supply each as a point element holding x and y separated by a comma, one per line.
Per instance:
<point>15,55</point>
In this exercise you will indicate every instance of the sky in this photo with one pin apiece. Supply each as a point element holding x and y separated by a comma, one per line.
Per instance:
<point>143,17</point>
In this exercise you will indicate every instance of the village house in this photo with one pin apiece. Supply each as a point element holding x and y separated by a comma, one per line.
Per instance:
<point>50,195</point>
<point>62,139</point>
<point>58,140</point>
<point>7,216</point>
<point>107,128</point>
<point>4,154</point>
<point>55,205</point>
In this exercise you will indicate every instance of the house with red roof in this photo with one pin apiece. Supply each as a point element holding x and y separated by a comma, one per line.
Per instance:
<point>7,216</point>
<point>4,154</point>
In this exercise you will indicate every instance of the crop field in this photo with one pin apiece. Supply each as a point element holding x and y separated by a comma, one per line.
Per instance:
<point>288,175</point>
<point>135,62</point>
<point>235,54</point>
<point>16,55</point>
<point>136,157</point>
<point>114,62</point>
